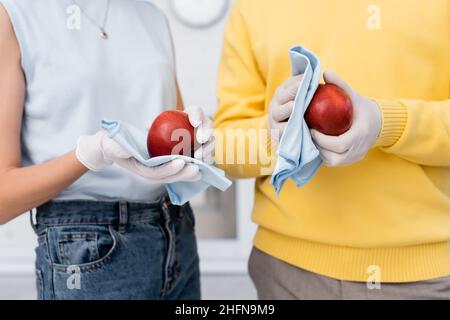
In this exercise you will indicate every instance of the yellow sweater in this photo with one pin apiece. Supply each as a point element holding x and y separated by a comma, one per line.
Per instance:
<point>392,210</point>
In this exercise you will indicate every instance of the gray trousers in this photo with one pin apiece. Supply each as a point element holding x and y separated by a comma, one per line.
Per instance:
<point>277,280</point>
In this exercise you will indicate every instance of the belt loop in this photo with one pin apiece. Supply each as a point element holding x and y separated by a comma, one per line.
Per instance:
<point>123,216</point>
<point>33,220</point>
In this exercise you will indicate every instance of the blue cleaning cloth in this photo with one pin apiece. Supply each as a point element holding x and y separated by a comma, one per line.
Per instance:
<point>134,141</point>
<point>298,157</point>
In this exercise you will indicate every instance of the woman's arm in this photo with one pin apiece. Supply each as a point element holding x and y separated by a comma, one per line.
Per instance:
<point>22,189</point>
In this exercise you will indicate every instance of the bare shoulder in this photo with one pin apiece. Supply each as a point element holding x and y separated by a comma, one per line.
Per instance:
<point>8,38</point>
<point>6,28</point>
<point>4,17</point>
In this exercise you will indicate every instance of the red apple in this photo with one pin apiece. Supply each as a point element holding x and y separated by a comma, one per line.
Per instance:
<point>330,111</point>
<point>171,134</point>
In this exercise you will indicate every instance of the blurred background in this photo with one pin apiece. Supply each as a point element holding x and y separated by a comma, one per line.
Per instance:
<point>224,227</point>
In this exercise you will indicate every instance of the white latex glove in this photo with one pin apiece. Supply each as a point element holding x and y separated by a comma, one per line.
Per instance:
<point>282,105</point>
<point>352,146</point>
<point>204,134</point>
<point>98,152</point>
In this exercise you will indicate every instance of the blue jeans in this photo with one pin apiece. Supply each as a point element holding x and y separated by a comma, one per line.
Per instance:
<point>105,250</point>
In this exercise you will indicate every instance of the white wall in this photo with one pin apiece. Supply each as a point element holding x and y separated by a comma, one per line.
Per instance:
<point>17,242</point>
<point>198,53</point>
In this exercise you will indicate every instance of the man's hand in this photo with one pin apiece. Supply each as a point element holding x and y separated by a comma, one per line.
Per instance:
<point>352,146</point>
<point>204,134</point>
<point>282,105</point>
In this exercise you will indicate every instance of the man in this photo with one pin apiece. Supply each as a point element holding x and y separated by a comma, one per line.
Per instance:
<point>379,211</point>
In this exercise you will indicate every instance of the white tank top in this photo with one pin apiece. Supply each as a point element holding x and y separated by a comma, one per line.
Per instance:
<point>74,79</point>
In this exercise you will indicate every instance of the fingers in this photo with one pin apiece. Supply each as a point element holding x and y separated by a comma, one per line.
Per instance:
<point>338,151</point>
<point>288,90</point>
<point>174,171</point>
<point>190,173</point>
<point>206,152</point>
<point>283,112</point>
<point>334,151</point>
<point>90,153</point>
<point>283,103</point>
<point>203,124</point>
<point>170,168</point>
<point>205,131</point>
<point>196,116</point>
<point>339,145</point>
<point>332,159</point>
<point>332,78</point>
<point>112,150</point>
<point>152,173</point>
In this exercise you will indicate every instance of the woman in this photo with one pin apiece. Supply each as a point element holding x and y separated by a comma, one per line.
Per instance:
<point>104,232</point>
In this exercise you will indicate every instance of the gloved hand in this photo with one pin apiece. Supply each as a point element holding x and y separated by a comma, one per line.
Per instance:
<point>97,152</point>
<point>204,134</point>
<point>282,106</point>
<point>352,146</point>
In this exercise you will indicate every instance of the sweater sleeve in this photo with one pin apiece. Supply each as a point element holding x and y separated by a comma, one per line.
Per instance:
<point>244,148</point>
<point>417,131</point>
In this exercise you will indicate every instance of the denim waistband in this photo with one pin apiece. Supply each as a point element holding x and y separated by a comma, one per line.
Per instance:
<point>106,213</point>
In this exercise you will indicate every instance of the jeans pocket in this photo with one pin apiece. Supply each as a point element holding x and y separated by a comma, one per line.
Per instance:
<point>39,284</point>
<point>86,247</point>
<point>78,247</point>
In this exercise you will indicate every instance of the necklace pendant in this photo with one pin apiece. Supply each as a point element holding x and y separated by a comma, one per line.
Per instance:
<point>104,35</point>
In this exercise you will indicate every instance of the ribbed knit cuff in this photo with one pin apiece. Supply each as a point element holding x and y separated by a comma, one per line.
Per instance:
<point>395,116</point>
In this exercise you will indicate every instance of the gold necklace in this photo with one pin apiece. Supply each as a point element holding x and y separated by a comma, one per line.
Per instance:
<point>103,34</point>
